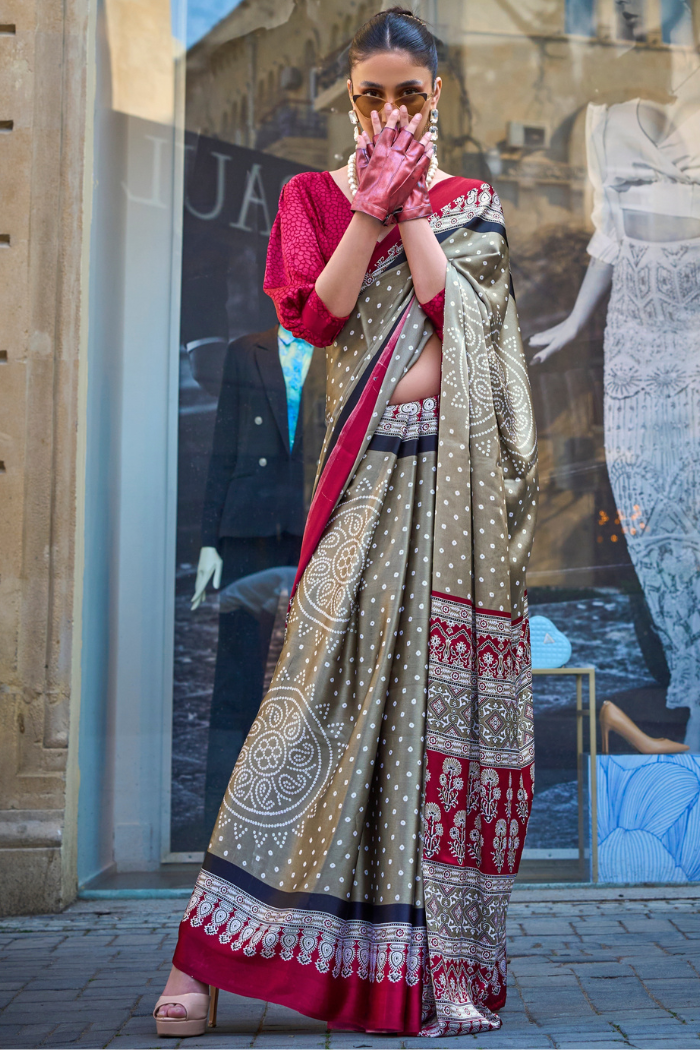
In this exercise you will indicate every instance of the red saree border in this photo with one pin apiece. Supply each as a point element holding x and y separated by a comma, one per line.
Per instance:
<point>387,1007</point>
<point>325,966</point>
<point>476,805</point>
<point>343,457</point>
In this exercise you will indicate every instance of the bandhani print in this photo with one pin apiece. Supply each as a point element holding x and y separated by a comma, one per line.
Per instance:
<point>363,858</point>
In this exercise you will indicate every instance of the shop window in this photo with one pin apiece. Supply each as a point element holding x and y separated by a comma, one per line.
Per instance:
<point>534,136</point>
<point>677,22</point>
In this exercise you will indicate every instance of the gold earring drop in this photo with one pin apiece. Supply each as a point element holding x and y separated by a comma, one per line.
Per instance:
<point>433,129</point>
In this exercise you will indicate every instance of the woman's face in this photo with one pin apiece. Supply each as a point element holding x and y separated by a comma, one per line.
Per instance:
<point>391,76</point>
<point>632,12</point>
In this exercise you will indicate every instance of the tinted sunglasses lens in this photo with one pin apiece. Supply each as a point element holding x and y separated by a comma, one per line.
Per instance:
<point>413,103</point>
<point>366,104</point>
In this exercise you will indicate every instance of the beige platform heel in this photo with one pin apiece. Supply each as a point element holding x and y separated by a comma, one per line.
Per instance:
<point>201,1012</point>
<point>611,717</point>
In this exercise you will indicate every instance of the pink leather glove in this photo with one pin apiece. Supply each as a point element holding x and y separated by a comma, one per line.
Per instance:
<point>395,167</point>
<point>362,158</point>
<point>417,205</point>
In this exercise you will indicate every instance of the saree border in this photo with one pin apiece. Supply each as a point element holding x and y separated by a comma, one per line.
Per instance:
<point>283,900</point>
<point>396,256</point>
<point>351,968</point>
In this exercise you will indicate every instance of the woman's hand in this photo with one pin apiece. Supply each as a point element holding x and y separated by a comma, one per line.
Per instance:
<point>554,339</point>
<point>417,204</point>
<point>397,161</point>
<point>363,152</point>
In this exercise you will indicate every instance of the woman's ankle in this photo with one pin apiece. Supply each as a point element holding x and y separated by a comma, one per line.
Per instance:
<point>180,983</point>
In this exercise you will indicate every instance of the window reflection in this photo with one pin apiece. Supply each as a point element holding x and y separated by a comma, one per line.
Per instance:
<point>541,100</point>
<point>580,17</point>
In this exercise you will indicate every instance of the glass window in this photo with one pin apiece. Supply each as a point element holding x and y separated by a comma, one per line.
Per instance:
<point>580,17</point>
<point>677,22</point>
<point>591,145</point>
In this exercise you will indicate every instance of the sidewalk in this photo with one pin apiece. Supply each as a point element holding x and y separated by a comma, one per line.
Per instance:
<point>588,968</point>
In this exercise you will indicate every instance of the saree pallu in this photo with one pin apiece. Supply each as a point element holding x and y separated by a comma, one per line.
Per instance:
<point>362,861</point>
<point>652,439</point>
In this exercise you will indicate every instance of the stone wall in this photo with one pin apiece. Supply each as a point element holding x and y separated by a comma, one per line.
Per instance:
<point>44,88</point>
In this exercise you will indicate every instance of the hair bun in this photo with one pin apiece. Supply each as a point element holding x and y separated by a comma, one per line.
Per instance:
<point>402,11</point>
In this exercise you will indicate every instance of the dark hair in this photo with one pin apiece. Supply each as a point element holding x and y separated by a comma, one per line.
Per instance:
<point>395,29</point>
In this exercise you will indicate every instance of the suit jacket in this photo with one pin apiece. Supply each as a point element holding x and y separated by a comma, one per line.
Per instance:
<point>255,485</point>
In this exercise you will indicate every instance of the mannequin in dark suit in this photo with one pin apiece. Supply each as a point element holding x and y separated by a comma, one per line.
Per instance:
<point>254,513</point>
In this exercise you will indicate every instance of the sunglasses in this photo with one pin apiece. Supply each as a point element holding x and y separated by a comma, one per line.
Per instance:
<point>369,104</point>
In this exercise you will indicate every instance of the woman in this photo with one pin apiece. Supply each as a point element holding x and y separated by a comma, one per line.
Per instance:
<point>404,689</point>
<point>644,163</point>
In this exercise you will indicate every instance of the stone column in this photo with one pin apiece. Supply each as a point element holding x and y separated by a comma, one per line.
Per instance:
<point>44,73</point>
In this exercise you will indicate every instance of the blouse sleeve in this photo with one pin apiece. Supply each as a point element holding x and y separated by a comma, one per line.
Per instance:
<point>294,261</point>
<point>435,311</point>
<point>604,244</point>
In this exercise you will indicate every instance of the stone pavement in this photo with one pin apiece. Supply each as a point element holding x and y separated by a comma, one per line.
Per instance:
<point>588,968</point>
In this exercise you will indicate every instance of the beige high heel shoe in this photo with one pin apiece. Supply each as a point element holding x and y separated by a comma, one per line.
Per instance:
<point>200,1013</point>
<point>611,717</point>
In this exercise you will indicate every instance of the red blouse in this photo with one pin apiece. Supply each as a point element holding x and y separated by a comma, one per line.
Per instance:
<point>313,215</point>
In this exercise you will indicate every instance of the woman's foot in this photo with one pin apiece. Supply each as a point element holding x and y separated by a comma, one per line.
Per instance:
<point>180,983</point>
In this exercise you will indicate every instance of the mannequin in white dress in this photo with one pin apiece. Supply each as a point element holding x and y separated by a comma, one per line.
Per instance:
<point>644,163</point>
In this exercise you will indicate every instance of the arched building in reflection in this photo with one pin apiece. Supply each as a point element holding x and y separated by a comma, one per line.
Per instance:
<point>272,76</point>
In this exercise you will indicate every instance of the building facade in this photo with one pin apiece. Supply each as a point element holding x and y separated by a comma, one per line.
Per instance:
<point>45,205</point>
<point>141,156</point>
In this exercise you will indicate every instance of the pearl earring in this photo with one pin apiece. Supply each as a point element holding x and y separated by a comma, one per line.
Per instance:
<point>433,129</point>
<point>355,124</point>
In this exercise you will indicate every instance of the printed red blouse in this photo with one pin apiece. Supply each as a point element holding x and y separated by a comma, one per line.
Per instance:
<point>313,215</point>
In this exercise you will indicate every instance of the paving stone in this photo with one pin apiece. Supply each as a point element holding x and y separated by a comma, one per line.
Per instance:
<point>668,1043</point>
<point>620,1015</point>
<point>150,1042</point>
<point>51,984</point>
<point>276,1017</point>
<point>283,1040</point>
<point>489,1041</point>
<point>691,1016</point>
<point>607,992</point>
<point>103,984</point>
<point>113,967</point>
<point>67,1031</point>
<point>35,1033</point>
<point>654,1031</point>
<point>348,1040</point>
<point>9,1032</point>
<point>211,1040</point>
<point>109,995</point>
<point>584,1043</point>
<point>669,967</point>
<point>548,1014</point>
<point>89,1041</point>
<point>674,994</point>
<point>553,982</point>
<point>46,995</point>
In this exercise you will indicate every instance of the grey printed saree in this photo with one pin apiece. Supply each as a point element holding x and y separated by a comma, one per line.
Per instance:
<point>364,853</point>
